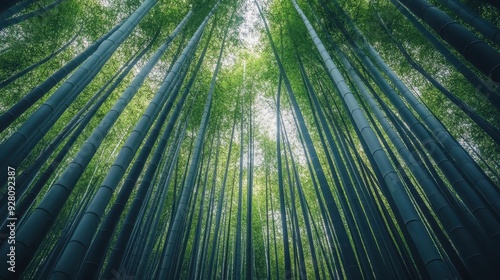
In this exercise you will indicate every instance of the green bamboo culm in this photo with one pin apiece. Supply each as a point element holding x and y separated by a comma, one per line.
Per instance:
<point>435,265</point>
<point>12,153</point>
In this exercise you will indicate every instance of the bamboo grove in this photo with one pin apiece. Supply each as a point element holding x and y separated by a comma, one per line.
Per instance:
<point>218,139</point>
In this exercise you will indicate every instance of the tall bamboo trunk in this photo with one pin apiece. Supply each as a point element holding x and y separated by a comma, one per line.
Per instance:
<point>89,222</point>
<point>15,9</point>
<point>480,54</point>
<point>35,65</point>
<point>30,173</point>
<point>40,221</point>
<point>427,250</point>
<point>350,263</point>
<point>13,150</point>
<point>176,231</point>
<point>15,20</point>
<point>479,84</point>
<point>39,91</point>
<point>486,126</point>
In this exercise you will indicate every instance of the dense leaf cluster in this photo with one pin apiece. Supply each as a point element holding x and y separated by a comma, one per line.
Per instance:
<point>258,139</point>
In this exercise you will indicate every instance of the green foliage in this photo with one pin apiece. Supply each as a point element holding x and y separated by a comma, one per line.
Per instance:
<point>249,77</point>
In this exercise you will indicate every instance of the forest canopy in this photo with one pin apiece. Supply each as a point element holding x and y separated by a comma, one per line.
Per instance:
<point>257,139</point>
